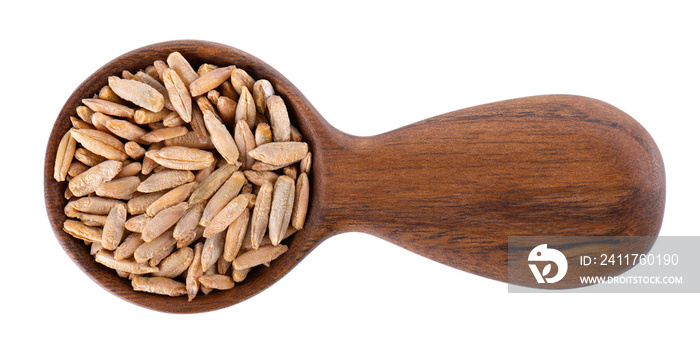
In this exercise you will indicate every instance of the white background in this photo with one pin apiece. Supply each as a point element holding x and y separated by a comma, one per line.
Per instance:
<point>368,67</point>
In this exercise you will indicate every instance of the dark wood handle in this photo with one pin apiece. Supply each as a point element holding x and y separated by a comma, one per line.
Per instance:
<point>454,187</point>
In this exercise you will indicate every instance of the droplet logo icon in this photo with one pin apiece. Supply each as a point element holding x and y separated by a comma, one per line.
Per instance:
<point>543,254</point>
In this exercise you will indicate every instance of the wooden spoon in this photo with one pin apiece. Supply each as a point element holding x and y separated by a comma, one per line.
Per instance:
<point>451,188</point>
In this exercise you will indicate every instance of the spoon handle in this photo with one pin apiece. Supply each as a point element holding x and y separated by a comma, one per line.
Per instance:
<point>454,187</point>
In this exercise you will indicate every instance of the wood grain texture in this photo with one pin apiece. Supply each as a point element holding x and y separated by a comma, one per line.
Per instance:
<point>451,188</point>
<point>454,187</point>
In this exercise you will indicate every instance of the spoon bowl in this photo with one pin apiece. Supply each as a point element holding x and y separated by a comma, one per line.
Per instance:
<point>451,188</point>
